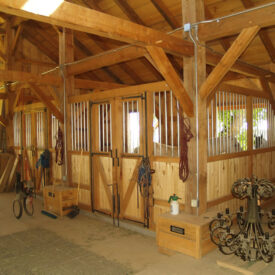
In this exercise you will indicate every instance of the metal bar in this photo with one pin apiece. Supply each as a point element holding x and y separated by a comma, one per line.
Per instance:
<point>227,121</point>
<point>103,130</point>
<point>107,130</point>
<point>223,139</point>
<point>78,128</point>
<point>99,127</point>
<point>216,121</point>
<point>72,125</point>
<point>212,128</point>
<point>81,125</point>
<point>127,123</point>
<point>88,125</point>
<point>178,126</point>
<point>84,126</point>
<point>246,120</point>
<point>166,122</point>
<point>141,127</point>
<point>154,118</point>
<point>172,122</point>
<point>123,125</point>
<point>220,123</point>
<point>111,139</point>
<point>159,123</point>
<point>208,132</point>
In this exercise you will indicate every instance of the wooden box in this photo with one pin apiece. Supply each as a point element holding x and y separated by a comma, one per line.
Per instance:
<point>59,199</point>
<point>184,233</point>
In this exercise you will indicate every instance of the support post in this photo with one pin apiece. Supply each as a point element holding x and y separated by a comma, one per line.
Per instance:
<point>195,190</point>
<point>66,55</point>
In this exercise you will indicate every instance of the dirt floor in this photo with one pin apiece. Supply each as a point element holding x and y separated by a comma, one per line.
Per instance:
<point>89,244</point>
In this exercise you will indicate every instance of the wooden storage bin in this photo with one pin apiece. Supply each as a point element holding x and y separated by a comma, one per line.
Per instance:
<point>56,198</point>
<point>184,233</point>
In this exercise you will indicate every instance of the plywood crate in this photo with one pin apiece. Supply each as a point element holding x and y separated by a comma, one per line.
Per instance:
<point>58,199</point>
<point>184,233</point>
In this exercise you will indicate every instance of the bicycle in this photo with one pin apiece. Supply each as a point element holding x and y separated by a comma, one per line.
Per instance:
<point>24,198</point>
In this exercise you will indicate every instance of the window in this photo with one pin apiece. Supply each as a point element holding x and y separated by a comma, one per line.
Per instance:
<point>131,127</point>
<point>28,126</point>
<point>40,130</point>
<point>79,126</point>
<point>17,129</point>
<point>166,137</point>
<point>263,124</point>
<point>227,124</point>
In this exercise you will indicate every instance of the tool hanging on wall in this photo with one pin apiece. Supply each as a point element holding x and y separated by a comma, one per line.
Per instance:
<point>59,148</point>
<point>185,136</point>
<point>144,184</point>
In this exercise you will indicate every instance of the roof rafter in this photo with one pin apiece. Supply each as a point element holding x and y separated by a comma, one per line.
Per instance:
<point>167,15</point>
<point>262,34</point>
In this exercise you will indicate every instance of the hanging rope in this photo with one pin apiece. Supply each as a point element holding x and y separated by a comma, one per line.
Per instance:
<point>185,136</point>
<point>59,148</point>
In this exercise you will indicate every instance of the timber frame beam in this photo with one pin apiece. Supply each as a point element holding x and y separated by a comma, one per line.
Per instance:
<point>227,61</point>
<point>175,83</point>
<point>56,81</point>
<point>79,18</point>
<point>43,97</point>
<point>230,25</point>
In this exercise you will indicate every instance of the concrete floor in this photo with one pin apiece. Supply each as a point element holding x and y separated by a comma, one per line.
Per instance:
<point>89,244</point>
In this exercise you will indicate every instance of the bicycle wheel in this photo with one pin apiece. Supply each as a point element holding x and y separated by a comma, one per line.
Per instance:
<point>28,205</point>
<point>17,209</point>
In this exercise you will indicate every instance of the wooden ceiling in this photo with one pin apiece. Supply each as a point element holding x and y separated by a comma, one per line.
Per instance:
<point>164,15</point>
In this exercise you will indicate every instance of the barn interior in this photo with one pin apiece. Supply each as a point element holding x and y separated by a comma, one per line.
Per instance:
<point>112,107</point>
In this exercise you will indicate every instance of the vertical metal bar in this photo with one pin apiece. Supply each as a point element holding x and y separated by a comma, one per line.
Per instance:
<point>166,122</point>
<point>75,126</point>
<point>208,132</point>
<point>78,127</point>
<point>240,121</point>
<point>81,127</point>
<point>212,128</point>
<point>154,118</point>
<point>227,121</point>
<point>159,123</point>
<point>127,123</point>
<point>172,123</point>
<point>85,131</point>
<point>123,125</point>
<point>111,138</point>
<point>178,126</point>
<point>220,123</point>
<point>223,140</point>
<point>246,120</point>
<point>72,125</point>
<point>99,128</point>
<point>216,121</point>
<point>139,126</point>
<point>103,126</point>
<point>107,130</point>
<point>88,125</point>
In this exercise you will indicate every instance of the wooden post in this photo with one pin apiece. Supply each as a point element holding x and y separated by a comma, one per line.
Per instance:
<point>250,134</point>
<point>66,54</point>
<point>193,11</point>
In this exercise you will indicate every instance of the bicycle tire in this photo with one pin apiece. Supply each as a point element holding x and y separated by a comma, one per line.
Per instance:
<point>17,209</point>
<point>28,205</point>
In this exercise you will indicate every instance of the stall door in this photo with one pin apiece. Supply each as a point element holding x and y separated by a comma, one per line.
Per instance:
<point>132,144</point>
<point>34,141</point>
<point>102,161</point>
